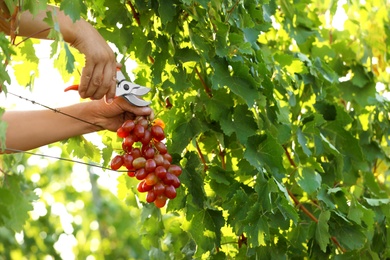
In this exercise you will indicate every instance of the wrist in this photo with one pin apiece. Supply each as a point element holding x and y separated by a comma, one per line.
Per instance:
<point>88,118</point>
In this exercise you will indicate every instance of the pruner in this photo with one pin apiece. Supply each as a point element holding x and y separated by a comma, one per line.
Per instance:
<point>130,91</point>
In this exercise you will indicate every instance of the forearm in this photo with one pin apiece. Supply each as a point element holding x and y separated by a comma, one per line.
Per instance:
<point>31,129</point>
<point>36,27</point>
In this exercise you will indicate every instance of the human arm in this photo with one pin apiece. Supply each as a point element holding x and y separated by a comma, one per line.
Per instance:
<point>32,129</point>
<point>98,75</point>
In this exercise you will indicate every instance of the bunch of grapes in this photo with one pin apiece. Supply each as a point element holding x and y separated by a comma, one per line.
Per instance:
<point>146,158</point>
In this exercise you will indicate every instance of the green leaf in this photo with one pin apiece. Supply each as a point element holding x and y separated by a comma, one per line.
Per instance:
<point>322,230</point>
<point>377,202</point>
<point>302,140</point>
<point>238,81</point>
<point>309,180</point>
<point>265,151</point>
<point>73,8</point>
<point>34,6</point>
<point>167,11</point>
<point>192,180</point>
<point>18,202</point>
<point>257,227</point>
<point>205,227</point>
<point>187,130</point>
<point>359,213</point>
<point>238,204</point>
<point>241,123</point>
<point>82,148</point>
<point>69,59</point>
<point>351,237</point>
<point>3,128</point>
<point>360,77</point>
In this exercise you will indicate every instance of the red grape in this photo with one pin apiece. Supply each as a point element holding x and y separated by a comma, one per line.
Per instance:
<point>170,192</point>
<point>143,122</point>
<point>161,147</point>
<point>150,165</point>
<point>147,159</point>
<point>157,132</point>
<point>151,179</point>
<point>140,174</point>
<point>139,131</point>
<point>143,186</point>
<point>175,182</point>
<point>136,152</point>
<point>148,152</point>
<point>139,163</point>
<point>159,159</point>
<point>116,162</point>
<point>128,125</point>
<point>174,169</point>
<point>168,157</point>
<point>159,188</point>
<point>128,161</point>
<point>160,201</point>
<point>121,132</point>
<point>127,142</point>
<point>147,137</point>
<point>160,172</point>
<point>169,178</point>
<point>151,196</point>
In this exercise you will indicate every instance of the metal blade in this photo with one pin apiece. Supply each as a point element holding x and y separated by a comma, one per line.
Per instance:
<point>119,76</point>
<point>136,100</point>
<point>140,90</point>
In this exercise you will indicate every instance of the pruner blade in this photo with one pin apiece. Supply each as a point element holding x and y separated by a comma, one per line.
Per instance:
<point>131,91</point>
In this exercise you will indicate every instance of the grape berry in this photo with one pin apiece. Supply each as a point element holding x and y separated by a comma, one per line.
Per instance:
<point>146,157</point>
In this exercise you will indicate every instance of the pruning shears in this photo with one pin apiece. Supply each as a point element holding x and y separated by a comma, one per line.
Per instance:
<point>130,91</point>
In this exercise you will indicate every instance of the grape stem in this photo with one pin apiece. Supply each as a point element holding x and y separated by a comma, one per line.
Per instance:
<point>205,167</point>
<point>222,154</point>
<point>135,13</point>
<point>206,88</point>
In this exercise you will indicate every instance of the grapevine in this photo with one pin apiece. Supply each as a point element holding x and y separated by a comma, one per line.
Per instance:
<point>146,158</point>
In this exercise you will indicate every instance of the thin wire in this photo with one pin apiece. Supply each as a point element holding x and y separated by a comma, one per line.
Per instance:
<point>53,109</point>
<point>62,159</point>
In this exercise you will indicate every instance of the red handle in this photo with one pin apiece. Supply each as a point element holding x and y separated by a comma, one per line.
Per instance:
<point>73,87</point>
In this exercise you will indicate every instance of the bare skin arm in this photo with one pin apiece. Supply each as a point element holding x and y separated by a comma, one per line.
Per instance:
<point>32,129</point>
<point>98,76</point>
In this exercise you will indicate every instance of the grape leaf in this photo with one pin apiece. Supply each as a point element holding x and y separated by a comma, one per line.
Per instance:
<point>34,6</point>
<point>257,227</point>
<point>3,128</point>
<point>186,130</point>
<point>309,179</point>
<point>265,151</point>
<point>167,11</point>
<point>19,204</point>
<point>192,180</point>
<point>73,8</point>
<point>322,230</point>
<point>240,82</point>
<point>208,220</point>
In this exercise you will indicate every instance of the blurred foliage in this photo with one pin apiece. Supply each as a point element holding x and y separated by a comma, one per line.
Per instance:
<point>277,111</point>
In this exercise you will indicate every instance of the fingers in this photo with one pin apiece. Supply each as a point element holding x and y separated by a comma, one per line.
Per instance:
<point>98,80</point>
<point>127,107</point>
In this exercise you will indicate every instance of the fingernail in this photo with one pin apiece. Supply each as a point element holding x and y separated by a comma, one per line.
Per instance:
<point>110,100</point>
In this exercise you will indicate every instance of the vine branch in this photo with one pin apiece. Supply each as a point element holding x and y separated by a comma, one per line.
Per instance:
<point>206,88</point>
<point>222,155</point>
<point>135,13</point>
<point>205,167</point>
<point>302,207</point>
